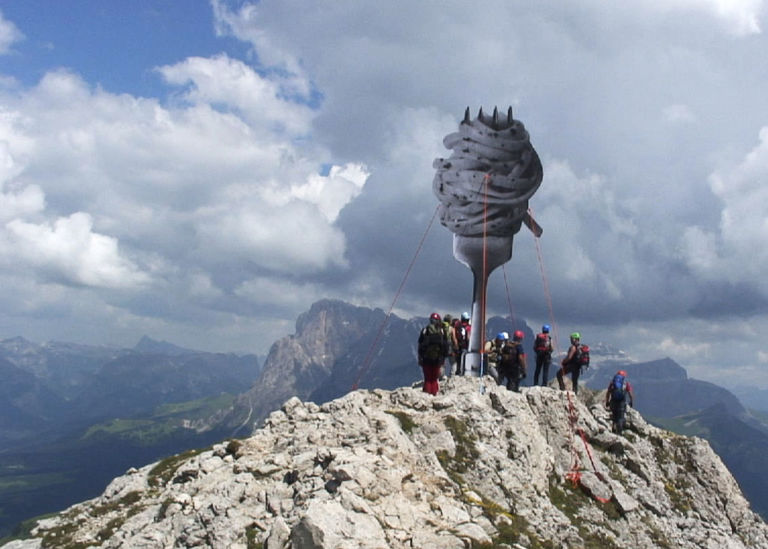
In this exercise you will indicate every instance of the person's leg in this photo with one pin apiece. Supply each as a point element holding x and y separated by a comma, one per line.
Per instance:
<point>621,417</point>
<point>450,365</point>
<point>545,373</point>
<point>539,364</point>
<point>560,372</point>
<point>514,380</point>
<point>576,371</point>
<point>431,374</point>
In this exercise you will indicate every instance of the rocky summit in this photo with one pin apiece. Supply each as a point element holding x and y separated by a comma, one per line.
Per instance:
<point>475,466</point>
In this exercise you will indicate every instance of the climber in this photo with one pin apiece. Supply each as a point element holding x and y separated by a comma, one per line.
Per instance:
<point>462,330</point>
<point>542,346</point>
<point>511,362</point>
<point>491,352</point>
<point>617,396</point>
<point>450,334</point>
<point>432,350</point>
<point>572,363</point>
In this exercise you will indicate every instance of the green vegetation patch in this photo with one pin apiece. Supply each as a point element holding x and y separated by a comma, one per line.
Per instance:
<point>163,423</point>
<point>566,498</point>
<point>62,537</point>
<point>126,501</point>
<point>16,483</point>
<point>406,423</point>
<point>251,533</point>
<point>194,409</point>
<point>163,472</point>
<point>466,452</point>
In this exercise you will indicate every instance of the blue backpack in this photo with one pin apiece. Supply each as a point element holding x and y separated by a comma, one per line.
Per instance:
<point>618,388</point>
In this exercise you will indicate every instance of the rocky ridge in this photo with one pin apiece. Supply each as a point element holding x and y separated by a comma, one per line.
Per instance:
<point>475,466</point>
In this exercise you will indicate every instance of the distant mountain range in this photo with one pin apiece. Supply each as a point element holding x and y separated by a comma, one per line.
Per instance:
<point>74,416</point>
<point>66,409</point>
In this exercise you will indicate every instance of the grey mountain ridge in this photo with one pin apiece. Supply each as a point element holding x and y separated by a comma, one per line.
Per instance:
<point>468,468</point>
<point>329,353</point>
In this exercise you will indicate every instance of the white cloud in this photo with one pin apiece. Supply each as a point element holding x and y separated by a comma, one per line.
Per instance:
<point>231,83</point>
<point>682,350</point>
<point>9,34</point>
<point>332,192</point>
<point>739,17</point>
<point>268,293</point>
<point>735,250</point>
<point>678,113</point>
<point>71,250</point>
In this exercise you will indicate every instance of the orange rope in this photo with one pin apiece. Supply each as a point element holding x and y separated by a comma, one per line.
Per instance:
<point>509,299</point>
<point>368,357</point>
<point>574,474</point>
<point>486,180</point>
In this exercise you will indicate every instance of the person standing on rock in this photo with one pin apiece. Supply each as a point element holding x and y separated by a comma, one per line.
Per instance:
<point>617,396</point>
<point>571,364</point>
<point>542,346</point>
<point>462,330</point>
<point>450,334</point>
<point>432,350</point>
<point>511,362</point>
<point>492,350</point>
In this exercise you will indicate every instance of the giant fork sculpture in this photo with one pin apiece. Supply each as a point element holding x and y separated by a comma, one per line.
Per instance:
<point>484,188</point>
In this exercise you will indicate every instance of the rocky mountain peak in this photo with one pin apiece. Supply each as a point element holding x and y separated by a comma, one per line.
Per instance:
<point>475,466</point>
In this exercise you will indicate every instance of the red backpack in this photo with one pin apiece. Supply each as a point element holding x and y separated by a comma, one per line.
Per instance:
<point>582,356</point>
<point>541,344</point>
<point>462,335</point>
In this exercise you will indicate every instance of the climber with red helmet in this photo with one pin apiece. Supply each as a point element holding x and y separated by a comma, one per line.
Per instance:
<point>542,346</point>
<point>617,396</point>
<point>511,362</point>
<point>432,350</point>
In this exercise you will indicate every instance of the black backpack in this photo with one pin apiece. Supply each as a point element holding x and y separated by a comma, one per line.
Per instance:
<point>433,343</point>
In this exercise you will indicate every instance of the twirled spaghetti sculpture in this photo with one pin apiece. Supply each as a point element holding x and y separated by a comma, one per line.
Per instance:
<point>484,187</point>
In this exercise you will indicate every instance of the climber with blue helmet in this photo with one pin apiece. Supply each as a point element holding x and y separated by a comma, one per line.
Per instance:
<point>542,346</point>
<point>491,350</point>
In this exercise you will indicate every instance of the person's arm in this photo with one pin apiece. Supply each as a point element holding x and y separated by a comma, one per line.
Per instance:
<point>569,356</point>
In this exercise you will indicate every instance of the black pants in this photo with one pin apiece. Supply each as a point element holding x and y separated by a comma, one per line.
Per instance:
<point>618,415</point>
<point>574,370</point>
<point>543,360</point>
<point>510,376</point>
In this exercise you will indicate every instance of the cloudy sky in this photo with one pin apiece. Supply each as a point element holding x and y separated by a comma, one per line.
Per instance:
<point>203,171</point>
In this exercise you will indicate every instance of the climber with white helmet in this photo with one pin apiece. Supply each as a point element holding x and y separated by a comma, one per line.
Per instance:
<point>511,362</point>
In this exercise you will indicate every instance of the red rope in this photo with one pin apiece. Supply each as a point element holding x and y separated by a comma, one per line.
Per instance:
<point>574,474</point>
<point>368,357</point>
<point>509,299</point>
<point>486,180</point>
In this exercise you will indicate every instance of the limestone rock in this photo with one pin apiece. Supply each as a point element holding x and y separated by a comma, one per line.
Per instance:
<point>400,468</point>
